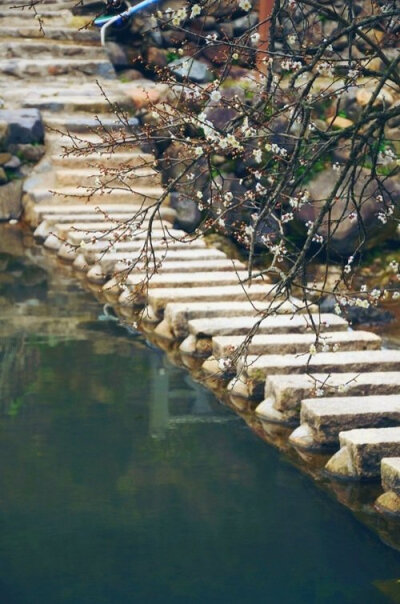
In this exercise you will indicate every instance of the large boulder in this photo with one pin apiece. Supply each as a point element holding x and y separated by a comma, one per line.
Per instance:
<point>345,230</point>
<point>191,69</point>
<point>24,125</point>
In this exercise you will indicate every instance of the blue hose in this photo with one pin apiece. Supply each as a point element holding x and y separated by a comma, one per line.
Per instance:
<point>120,19</point>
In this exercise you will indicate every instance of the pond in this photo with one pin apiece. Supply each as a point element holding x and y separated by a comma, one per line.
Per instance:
<point>122,481</point>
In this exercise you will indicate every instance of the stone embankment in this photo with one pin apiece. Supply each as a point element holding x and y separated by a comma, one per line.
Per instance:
<point>343,401</point>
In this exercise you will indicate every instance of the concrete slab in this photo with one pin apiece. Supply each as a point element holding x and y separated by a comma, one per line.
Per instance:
<point>179,315</point>
<point>361,452</point>
<point>284,393</point>
<point>160,297</point>
<point>295,343</point>
<point>255,369</point>
<point>322,419</point>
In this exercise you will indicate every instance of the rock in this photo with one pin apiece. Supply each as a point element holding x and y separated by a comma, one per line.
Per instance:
<point>4,158</point>
<point>117,55</point>
<point>345,233</point>
<point>130,75</point>
<point>3,176</point>
<point>13,163</point>
<point>156,57</point>
<point>217,53</point>
<point>10,200</point>
<point>242,24</point>
<point>359,316</point>
<point>188,216</point>
<point>27,152</point>
<point>340,122</point>
<point>145,96</point>
<point>3,133</point>
<point>24,125</point>
<point>191,69</point>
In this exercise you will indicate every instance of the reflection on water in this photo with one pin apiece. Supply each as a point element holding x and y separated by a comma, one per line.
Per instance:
<point>122,481</point>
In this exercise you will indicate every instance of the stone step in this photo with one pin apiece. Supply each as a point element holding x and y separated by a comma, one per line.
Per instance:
<point>159,297</point>
<point>20,17</point>
<point>94,160</point>
<point>72,195</point>
<point>118,251</point>
<point>190,261</point>
<point>46,227</point>
<point>82,123</point>
<point>70,104</point>
<point>104,141</point>
<point>361,452</point>
<point>201,331</point>
<point>69,212</point>
<point>203,259</point>
<point>120,178</point>
<point>180,282</point>
<point>254,370</point>
<point>295,343</point>
<point>77,235</point>
<point>78,68</point>
<point>284,393</point>
<point>322,419</point>
<point>48,5</point>
<point>52,33</point>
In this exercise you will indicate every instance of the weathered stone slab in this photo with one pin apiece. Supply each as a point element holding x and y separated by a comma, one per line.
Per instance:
<point>137,289</point>
<point>284,393</point>
<point>112,160</point>
<point>111,178</point>
<point>201,331</point>
<point>178,315</point>
<point>255,369</point>
<point>106,266</point>
<point>295,343</point>
<point>160,297</point>
<point>323,418</point>
<point>361,452</point>
<point>273,324</point>
<point>45,211</point>
<point>142,195</point>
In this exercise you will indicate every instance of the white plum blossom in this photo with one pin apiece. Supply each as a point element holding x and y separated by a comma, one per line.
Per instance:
<point>245,5</point>
<point>195,12</point>
<point>215,96</point>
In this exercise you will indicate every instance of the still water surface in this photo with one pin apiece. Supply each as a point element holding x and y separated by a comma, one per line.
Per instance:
<point>124,482</point>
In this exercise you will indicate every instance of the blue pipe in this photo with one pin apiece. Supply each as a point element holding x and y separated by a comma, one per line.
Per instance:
<point>123,17</point>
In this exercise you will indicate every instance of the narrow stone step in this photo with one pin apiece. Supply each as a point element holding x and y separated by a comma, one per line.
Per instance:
<point>75,238</point>
<point>186,260</point>
<point>190,261</point>
<point>52,33</point>
<point>254,370</point>
<point>69,212</point>
<point>31,68</point>
<point>72,196</point>
<point>117,251</point>
<point>180,282</point>
<point>71,104</point>
<point>178,316</point>
<point>14,49</point>
<point>159,297</point>
<point>284,393</point>
<point>322,419</point>
<point>18,17</point>
<point>201,331</point>
<point>113,160</point>
<point>361,452</point>
<point>123,178</point>
<point>81,123</point>
<point>295,343</point>
<point>47,226</point>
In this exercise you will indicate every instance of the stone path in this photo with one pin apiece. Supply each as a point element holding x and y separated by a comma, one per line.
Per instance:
<point>344,399</point>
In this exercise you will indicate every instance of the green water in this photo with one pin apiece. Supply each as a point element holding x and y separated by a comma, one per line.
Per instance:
<point>124,482</point>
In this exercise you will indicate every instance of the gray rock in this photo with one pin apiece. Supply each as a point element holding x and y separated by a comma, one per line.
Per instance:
<point>244,23</point>
<point>11,200</point>
<point>24,125</point>
<point>117,55</point>
<point>192,69</point>
<point>188,215</point>
<point>31,153</point>
<point>13,163</point>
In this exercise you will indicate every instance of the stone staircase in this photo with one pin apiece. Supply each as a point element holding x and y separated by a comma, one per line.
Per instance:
<point>345,399</point>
